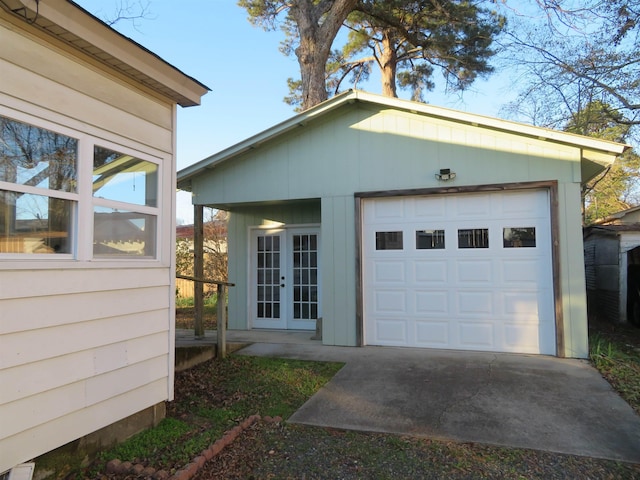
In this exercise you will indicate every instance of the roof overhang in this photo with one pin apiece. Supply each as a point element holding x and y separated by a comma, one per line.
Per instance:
<point>596,154</point>
<point>76,27</point>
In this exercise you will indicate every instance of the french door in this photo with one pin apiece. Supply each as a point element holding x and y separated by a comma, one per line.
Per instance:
<point>285,268</point>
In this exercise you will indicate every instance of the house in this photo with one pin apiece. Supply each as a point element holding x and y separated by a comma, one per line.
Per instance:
<point>87,228</point>
<point>612,261</point>
<point>404,224</point>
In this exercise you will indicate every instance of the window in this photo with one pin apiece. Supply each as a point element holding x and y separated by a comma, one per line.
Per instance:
<point>389,240</point>
<point>43,192</point>
<point>473,238</point>
<point>38,196</point>
<point>517,237</point>
<point>430,239</point>
<point>122,178</point>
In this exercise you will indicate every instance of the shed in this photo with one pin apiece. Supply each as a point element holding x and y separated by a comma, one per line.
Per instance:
<point>404,224</point>
<point>87,228</point>
<point>612,261</point>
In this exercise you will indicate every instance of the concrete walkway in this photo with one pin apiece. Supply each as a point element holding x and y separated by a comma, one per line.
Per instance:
<point>535,402</point>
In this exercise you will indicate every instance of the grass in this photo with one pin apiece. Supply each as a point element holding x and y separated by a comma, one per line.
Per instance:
<point>215,396</point>
<point>615,352</point>
<point>185,312</point>
<point>212,398</point>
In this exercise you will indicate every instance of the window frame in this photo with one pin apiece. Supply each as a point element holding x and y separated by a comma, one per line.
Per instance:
<point>84,203</point>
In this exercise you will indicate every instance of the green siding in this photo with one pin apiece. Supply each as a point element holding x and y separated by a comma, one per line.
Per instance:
<point>339,271</point>
<point>240,222</point>
<point>360,148</point>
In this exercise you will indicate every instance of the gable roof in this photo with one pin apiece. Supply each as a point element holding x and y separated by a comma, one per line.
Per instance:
<point>71,24</point>
<point>596,153</point>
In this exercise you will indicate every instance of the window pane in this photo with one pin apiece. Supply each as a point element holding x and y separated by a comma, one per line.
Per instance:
<point>519,237</point>
<point>37,157</point>
<point>117,233</point>
<point>473,238</point>
<point>388,240</point>
<point>124,178</point>
<point>429,239</point>
<point>34,223</point>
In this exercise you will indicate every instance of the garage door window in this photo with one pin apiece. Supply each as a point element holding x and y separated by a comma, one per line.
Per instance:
<point>430,239</point>
<point>516,237</point>
<point>473,238</point>
<point>389,240</point>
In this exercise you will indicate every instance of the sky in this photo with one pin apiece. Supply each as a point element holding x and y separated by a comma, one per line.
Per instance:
<point>213,42</point>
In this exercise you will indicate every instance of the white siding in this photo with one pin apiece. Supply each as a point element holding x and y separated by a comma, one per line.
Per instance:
<point>83,343</point>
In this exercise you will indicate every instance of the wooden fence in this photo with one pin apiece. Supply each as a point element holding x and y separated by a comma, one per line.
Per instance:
<point>185,288</point>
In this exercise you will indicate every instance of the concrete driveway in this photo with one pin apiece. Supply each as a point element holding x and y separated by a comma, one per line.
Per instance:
<point>537,402</point>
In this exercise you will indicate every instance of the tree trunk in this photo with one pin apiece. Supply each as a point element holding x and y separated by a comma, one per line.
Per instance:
<point>318,24</point>
<point>388,65</point>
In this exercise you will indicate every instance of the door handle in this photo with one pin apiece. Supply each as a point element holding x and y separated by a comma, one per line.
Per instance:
<point>282,285</point>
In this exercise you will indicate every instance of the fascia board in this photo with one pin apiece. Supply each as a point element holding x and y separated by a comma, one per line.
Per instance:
<point>77,21</point>
<point>497,124</point>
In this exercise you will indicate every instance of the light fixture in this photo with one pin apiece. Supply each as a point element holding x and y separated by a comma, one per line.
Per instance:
<point>445,175</point>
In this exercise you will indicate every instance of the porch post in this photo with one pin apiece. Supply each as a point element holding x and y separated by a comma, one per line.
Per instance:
<point>222,321</point>
<point>198,269</point>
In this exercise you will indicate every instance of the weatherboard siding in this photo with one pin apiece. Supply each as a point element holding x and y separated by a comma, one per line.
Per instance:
<point>83,343</point>
<point>53,79</point>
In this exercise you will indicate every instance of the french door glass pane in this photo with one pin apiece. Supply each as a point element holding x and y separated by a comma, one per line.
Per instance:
<point>305,276</point>
<point>268,277</point>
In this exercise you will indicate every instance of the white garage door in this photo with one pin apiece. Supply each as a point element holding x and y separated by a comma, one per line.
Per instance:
<point>463,271</point>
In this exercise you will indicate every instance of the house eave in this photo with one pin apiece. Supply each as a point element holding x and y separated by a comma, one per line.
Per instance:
<point>79,29</point>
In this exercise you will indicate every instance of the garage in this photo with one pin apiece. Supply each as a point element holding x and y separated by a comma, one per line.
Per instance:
<point>463,271</point>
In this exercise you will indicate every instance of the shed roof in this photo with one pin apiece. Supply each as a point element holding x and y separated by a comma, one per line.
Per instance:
<point>596,153</point>
<point>70,23</point>
<point>611,231</point>
<point>617,216</point>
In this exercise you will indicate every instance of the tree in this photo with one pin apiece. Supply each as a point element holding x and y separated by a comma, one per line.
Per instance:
<point>580,71</point>
<point>406,40</point>
<point>617,188</point>
<point>310,27</point>
<point>128,11</point>
<point>215,247</point>
<point>582,52</point>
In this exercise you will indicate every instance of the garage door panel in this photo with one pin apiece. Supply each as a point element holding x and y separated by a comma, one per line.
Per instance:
<point>475,303</point>
<point>391,331</point>
<point>431,302</point>
<point>460,296</point>
<point>522,304</point>
<point>390,271</point>
<point>432,271</point>
<point>471,207</point>
<point>521,338</point>
<point>476,335</point>
<point>434,334</point>
<point>430,208</point>
<point>474,271</point>
<point>391,301</point>
<point>521,271</point>
<point>388,209</point>
<point>521,205</point>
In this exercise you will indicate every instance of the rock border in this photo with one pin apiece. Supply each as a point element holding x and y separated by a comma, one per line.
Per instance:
<point>187,472</point>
